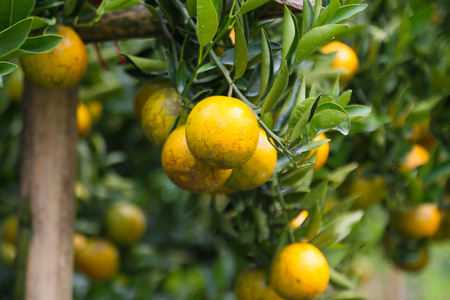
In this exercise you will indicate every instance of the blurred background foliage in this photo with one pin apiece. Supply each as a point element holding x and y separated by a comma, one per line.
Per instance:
<point>189,250</point>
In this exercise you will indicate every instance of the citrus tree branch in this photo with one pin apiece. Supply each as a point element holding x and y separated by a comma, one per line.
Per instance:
<point>137,22</point>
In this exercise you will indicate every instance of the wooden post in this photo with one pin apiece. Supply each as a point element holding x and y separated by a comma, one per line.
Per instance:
<point>48,174</point>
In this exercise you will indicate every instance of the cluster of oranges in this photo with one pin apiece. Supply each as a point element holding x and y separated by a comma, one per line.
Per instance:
<point>299,271</point>
<point>97,258</point>
<point>217,147</point>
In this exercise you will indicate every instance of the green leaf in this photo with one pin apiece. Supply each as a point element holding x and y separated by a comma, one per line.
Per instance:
<point>317,11</point>
<point>311,146</point>
<point>358,112</point>
<point>181,76</point>
<point>207,22</point>
<point>346,12</point>
<point>290,34</point>
<point>344,98</point>
<point>114,5</point>
<point>337,230</point>
<point>316,38</point>
<point>191,6</point>
<point>307,12</point>
<point>147,65</point>
<point>338,176</point>
<point>241,51</point>
<point>47,5</point>
<point>266,63</point>
<point>421,20</point>
<point>340,280</point>
<point>72,8</point>
<point>339,209</point>
<point>328,13</point>
<point>6,67</point>
<point>442,171</point>
<point>329,116</point>
<point>250,5</point>
<point>316,195</point>
<point>422,109</point>
<point>41,22</point>
<point>37,45</point>
<point>14,11</point>
<point>292,99</point>
<point>310,230</point>
<point>13,37</point>
<point>279,85</point>
<point>300,116</point>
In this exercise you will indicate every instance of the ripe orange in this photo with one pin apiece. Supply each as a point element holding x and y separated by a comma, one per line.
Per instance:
<point>251,285</point>
<point>222,132</point>
<point>299,271</point>
<point>10,228</point>
<point>144,92</point>
<point>98,260</point>
<point>185,171</point>
<point>257,169</point>
<point>411,260</point>
<point>125,223</point>
<point>84,120</point>
<point>95,108</point>
<point>7,252</point>
<point>417,157</point>
<point>418,222</point>
<point>345,59</point>
<point>371,188</point>
<point>322,153</point>
<point>60,68</point>
<point>159,113</point>
<point>79,243</point>
<point>299,219</point>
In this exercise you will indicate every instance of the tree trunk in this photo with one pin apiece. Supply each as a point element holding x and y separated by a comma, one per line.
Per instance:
<point>48,174</point>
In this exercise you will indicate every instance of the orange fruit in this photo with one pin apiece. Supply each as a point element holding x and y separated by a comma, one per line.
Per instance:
<point>251,285</point>
<point>159,113</point>
<point>222,132</point>
<point>125,223</point>
<point>144,92</point>
<point>84,120</point>
<point>257,170</point>
<point>10,229</point>
<point>416,157</point>
<point>79,243</point>
<point>95,108</point>
<point>185,171</point>
<point>299,271</point>
<point>60,68</point>
<point>7,252</point>
<point>418,222</point>
<point>299,219</point>
<point>98,260</point>
<point>322,152</point>
<point>371,188</point>
<point>411,260</point>
<point>344,59</point>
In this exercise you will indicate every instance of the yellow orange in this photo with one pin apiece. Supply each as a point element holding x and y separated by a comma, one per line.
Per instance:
<point>60,68</point>
<point>251,285</point>
<point>416,157</point>
<point>125,223</point>
<point>84,120</point>
<point>222,132</point>
<point>418,222</point>
<point>299,271</point>
<point>345,59</point>
<point>185,171</point>
<point>98,260</point>
<point>257,170</point>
